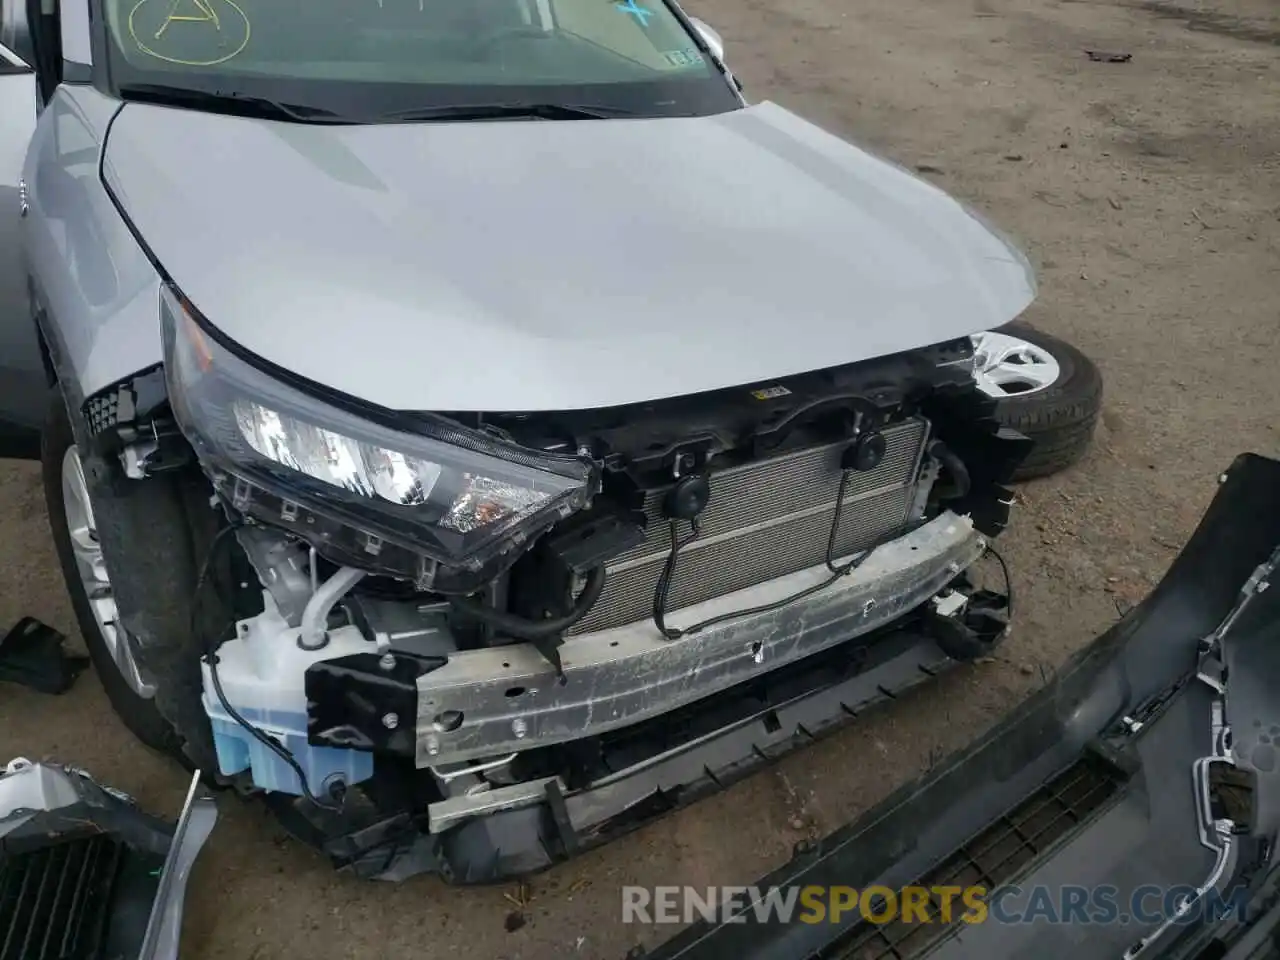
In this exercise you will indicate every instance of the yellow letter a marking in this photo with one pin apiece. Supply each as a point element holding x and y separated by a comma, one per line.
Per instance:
<point>203,13</point>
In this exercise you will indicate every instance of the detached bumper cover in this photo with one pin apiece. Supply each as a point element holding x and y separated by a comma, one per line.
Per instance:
<point>1098,781</point>
<point>84,873</point>
<point>509,698</point>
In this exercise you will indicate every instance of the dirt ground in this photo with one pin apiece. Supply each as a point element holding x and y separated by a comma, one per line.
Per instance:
<point>1148,195</point>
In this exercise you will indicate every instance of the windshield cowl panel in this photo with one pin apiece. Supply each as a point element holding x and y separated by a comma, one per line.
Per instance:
<point>367,60</point>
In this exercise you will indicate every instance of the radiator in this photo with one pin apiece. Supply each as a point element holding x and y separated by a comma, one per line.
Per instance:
<point>764,520</point>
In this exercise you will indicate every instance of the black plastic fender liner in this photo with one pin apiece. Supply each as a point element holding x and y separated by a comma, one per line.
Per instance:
<point>147,532</point>
<point>1150,652</point>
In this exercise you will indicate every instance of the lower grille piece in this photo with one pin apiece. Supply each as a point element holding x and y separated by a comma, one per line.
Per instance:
<point>765,520</point>
<point>996,856</point>
<point>55,901</point>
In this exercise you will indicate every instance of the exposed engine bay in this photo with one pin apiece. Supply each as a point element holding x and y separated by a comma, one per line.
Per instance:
<point>464,538</point>
<point>710,541</point>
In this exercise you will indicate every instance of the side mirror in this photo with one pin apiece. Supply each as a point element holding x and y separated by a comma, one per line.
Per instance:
<point>709,37</point>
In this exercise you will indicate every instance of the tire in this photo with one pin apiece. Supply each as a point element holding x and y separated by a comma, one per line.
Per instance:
<point>139,713</point>
<point>1060,418</point>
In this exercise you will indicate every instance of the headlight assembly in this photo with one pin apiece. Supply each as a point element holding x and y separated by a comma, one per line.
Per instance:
<point>390,497</point>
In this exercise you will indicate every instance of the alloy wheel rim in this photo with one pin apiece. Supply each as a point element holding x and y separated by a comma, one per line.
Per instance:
<point>1006,366</point>
<point>92,570</point>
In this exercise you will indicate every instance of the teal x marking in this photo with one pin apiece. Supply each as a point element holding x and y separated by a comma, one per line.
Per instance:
<point>640,13</point>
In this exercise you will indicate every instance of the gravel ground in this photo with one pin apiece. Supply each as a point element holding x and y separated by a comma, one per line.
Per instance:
<point>1148,195</point>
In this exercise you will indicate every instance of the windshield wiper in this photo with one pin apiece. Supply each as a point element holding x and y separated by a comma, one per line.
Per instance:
<point>505,111</point>
<point>236,103</point>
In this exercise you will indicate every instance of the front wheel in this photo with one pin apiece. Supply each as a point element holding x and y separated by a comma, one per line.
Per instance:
<point>73,523</point>
<point>1045,389</point>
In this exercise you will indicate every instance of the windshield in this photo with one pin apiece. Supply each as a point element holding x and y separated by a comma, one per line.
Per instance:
<point>372,59</point>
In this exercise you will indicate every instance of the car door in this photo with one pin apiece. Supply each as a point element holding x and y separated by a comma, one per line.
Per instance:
<point>22,379</point>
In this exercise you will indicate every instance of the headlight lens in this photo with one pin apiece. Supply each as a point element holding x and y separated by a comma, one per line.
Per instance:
<point>448,494</point>
<point>344,462</point>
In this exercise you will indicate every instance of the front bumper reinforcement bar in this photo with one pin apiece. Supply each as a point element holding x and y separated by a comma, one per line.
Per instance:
<point>495,701</point>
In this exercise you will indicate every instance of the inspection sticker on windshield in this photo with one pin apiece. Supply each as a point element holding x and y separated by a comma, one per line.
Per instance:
<point>771,393</point>
<point>689,57</point>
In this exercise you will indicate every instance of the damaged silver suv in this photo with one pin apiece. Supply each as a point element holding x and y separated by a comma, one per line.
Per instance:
<point>473,426</point>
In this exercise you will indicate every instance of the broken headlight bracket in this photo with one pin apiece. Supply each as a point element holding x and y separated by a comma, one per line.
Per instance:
<point>130,420</point>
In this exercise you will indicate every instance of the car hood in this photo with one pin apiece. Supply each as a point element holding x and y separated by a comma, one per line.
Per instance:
<point>538,265</point>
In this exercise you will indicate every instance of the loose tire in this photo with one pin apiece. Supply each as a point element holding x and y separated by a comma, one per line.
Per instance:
<point>1045,389</point>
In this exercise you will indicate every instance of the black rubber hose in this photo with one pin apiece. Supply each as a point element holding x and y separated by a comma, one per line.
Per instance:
<point>524,629</point>
<point>960,481</point>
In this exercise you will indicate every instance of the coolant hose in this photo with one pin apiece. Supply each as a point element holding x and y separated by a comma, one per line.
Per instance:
<point>960,481</point>
<point>524,629</point>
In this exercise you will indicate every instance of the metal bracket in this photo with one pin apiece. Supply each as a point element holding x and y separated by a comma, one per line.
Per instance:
<point>1257,583</point>
<point>1216,835</point>
<point>447,813</point>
